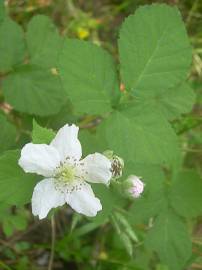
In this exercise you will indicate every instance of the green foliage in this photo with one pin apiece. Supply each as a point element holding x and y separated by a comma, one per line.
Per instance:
<point>7,134</point>
<point>14,222</point>
<point>171,103</point>
<point>12,46</point>
<point>34,90</point>
<point>41,135</point>
<point>2,11</point>
<point>140,138</point>
<point>153,200</point>
<point>186,196</point>
<point>56,80</point>
<point>155,52</point>
<point>125,231</point>
<point>110,200</point>
<point>43,41</point>
<point>170,239</point>
<point>16,187</point>
<point>89,77</point>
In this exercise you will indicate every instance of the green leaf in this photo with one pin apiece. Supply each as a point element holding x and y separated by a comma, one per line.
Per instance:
<point>92,142</point>
<point>127,243</point>
<point>186,194</point>
<point>89,77</point>
<point>153,199</point>
<point>109,199</point>
<point>16,187</point>
<point>43,41</point>
<point>7,134</point>
<point>170,239</point>
<point>151,174</point>
<point>141,137</point>
<point>154,50</point>
<point>14,222</point>
<point>33,90</point>
<point>126,226</point>
<point>145,208</point>
<point>8,227</point>
<point>2,11</point>
<point>12,46</point>
<point>171,103</point>
<point>41,134</point>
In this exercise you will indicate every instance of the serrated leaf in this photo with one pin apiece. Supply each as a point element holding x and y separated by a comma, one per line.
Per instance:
<point>171,103</point>
<point>12,46</point>
<point>170,239</point>
<point>154,49</point>
<point>141,137</point>
<point>186,194</point>
<point>89,76</point>
<point>41,134</point>
<point>43,41</point>
<point>16,187</point>
<point>7,134</point>
<point>153,199</point>
<point>33,90</point>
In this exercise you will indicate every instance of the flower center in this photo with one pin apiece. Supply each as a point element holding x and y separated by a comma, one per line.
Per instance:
<point>65,174</point>
<point>68,177</point>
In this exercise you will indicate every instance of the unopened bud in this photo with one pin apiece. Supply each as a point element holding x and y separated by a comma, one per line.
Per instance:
<point>134,186</point>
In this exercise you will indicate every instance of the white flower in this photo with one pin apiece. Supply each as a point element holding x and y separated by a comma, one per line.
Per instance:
<point>65,174</point>
<point>135,186</point>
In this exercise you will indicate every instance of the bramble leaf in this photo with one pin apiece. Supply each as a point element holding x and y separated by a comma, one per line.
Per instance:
<point>155,52</point>
<point>89,77</point>
<point>7,134</point>
<point>43,41</point>
<point>169,238</point>
<point>34,90</point>
<point>186,194</point>
<point>153,199</point>
<point>41,134</point>
<point>171,103</point>
<point>12,45</point>
<point>16,187</point>
<point>141,137</point>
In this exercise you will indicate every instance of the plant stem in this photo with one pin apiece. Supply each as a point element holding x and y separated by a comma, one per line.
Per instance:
<point>50,264</point>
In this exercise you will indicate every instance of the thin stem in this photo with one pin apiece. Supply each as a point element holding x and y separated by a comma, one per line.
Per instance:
<point>50,264</point>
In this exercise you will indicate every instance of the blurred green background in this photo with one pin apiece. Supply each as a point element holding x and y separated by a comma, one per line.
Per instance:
<point>25,244</point>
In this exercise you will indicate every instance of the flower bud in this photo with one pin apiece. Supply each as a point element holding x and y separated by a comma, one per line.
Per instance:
<point>117,164</point>
<point>134,186</point>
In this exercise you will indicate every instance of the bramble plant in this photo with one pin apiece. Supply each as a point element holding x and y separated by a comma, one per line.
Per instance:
<point>50,81</point>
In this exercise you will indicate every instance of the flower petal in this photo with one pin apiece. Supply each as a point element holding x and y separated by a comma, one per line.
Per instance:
<point>97,168</point>
<point>39,158</point>
<point>45,197</point>
<point>67,143</point>
<point>84,201</point>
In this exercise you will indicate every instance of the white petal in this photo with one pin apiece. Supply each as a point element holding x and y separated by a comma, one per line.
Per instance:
<point>84,201</point>
<point>45,197</point>
<point>67,143</point>
<point>98,168</point>
<point>39,158</point>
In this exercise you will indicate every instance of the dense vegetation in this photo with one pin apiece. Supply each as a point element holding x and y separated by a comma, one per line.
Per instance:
<point>128,73</point>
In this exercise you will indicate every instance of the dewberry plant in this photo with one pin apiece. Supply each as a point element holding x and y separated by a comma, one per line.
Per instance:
<point>48,81</point>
